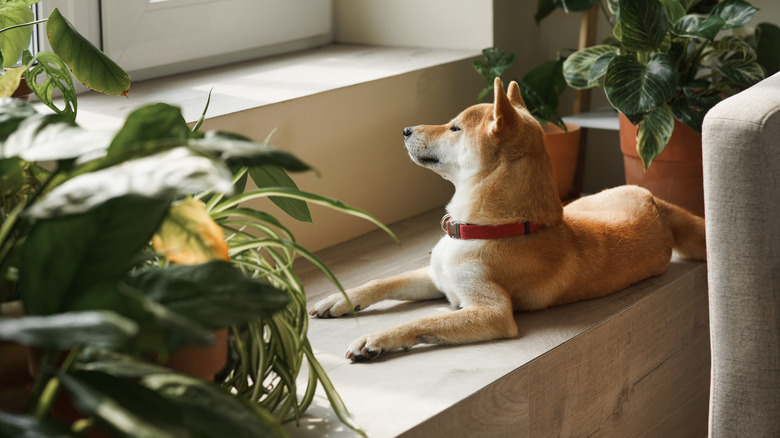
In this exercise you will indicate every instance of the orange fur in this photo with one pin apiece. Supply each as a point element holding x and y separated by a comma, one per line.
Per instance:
<point>496,158</point>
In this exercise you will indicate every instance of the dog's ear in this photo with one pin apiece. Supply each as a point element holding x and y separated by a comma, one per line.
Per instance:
<point>515,96</point>
<point>503,111</point>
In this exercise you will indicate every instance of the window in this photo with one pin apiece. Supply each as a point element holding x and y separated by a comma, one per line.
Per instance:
<point>150,38</point>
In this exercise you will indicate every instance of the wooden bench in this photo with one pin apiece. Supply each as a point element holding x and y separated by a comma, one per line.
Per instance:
<point>632,364</point>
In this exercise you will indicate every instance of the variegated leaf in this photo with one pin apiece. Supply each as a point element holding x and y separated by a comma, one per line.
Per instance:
<point>654,133</point>
<point>634,88</point>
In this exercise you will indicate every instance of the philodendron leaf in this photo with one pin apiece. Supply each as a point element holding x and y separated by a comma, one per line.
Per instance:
<point>62,331</point>
<point>212,412</point>
<point>674,10</point>
<point>634,88</point>
<point>90,66</point>
<point>135,415</point>
<point>643,24</point>
<point>55,76</point>
<point>741,72</point>
<point>65,256</point>
<point>735,13</point>
<point>14,41</point>
<point>654,133</point>
<point>9,82</point>
<point>275,176</point>
<point>155,124</point>
<point>213,294</point>
<point>24,426</point>
<point>577,67</point>
<point>172,173</point>
<point>52,137</point>
<point>189,236</point>
<point>237,150</point>
<point>698,27</point>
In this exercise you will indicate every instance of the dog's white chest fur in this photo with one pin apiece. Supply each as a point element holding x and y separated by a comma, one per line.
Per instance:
<point>452,271</point>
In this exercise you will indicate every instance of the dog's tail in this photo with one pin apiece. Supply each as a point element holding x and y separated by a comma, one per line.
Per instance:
<point>687,229</point>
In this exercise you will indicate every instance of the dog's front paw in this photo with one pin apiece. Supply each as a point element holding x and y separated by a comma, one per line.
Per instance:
<point>370,346</point>
<point>334,306</point>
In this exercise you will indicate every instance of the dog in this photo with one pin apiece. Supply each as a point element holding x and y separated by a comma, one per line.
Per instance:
<point>510,245</point>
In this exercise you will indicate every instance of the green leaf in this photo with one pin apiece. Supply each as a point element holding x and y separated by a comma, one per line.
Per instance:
<point>55,77</point>
<point>643,24</point>
<point>10,80</point>
<point>128,410</point>
<point>736,13</point>
<point>12,176</point>
<point>654,133</point>
<point>238,150</point>
<point>14,41</point>
<point>62,257</point>
<point>117,364</point>
<point>547,81</point>
<point>767,42</point>
<point>62,331</point>
<point>495,62</point>
<point>16,4</point>
<point>214,294</point>
<point>275,176</point>
<point>147,126</point>
<point>674,10</point>
<point>538,107</point>
<point>543,9</point>
<point>741,72</point>
<point>212,412</point>
<point>164,175</point>
<point>698,27</point>
<point>90,66</point>
<point>691,107</point>
<point>634,88</point>
<point>24,426</point>
<point>12,113</point>
<point>577,67</point>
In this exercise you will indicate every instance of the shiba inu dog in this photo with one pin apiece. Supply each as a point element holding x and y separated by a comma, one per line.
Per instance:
<point>509,244</point>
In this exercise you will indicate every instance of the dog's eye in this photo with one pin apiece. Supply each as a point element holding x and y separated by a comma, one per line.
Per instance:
<point>454,128</point>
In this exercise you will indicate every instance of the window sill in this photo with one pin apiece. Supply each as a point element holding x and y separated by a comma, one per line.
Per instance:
<point>248,85</point>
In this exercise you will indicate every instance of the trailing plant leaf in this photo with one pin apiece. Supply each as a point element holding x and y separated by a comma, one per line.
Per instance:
<point>577,67</point>
<point>635,88</point>
<point>102,329</point>
<point>64,256</point>
<point>642,25</point>
<point>55,77</point>
<point>189,236</point>
<point>275,176</point>
<point>175,172</point>
<point>211,411</point>
<point>90,66</point>
<point>25,426</point>
<point>132,416</point>
<point>654,133</point>
<point>213,294</point>
<point>14,41</point>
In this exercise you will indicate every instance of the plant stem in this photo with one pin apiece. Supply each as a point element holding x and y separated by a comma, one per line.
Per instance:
<point>50,391</point>
<point>23,25</point>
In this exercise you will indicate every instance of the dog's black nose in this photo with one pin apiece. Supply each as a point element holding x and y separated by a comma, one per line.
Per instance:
<point>407,132</point>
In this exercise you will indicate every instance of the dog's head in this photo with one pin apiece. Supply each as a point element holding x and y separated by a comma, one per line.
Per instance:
<point>478,139</point>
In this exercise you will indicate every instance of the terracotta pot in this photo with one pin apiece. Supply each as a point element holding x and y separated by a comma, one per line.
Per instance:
<point>563,148</point>
<point>675,175</point>
<point>203,362</point>
<point>23,91</point>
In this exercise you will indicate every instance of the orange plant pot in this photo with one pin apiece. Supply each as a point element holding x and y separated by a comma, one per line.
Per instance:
<point>563,148</point>
<point>203,362</point>
<point>675,175</point>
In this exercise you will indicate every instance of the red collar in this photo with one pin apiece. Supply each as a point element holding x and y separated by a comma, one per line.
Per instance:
<point>464,231</point>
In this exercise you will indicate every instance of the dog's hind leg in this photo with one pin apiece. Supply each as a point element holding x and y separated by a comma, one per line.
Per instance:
<point>687,229</point>
<point>483,321</point>
<point>413,285</point>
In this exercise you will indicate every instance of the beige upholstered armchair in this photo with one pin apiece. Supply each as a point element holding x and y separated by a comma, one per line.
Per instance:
<point>741,141</point>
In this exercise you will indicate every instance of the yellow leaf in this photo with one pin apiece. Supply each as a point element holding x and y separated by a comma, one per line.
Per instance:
<point>188,235</point>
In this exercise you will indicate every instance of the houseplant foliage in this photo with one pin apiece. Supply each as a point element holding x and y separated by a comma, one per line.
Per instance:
<point>49,71</point>
<point>667,60</point>
<point>105,307</point>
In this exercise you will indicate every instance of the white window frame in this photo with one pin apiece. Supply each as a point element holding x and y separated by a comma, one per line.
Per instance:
<point>181,43</point>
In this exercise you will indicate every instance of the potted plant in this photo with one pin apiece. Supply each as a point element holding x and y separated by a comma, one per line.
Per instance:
<point>118,261</point>
<point>540,87</point>
<point>664,68</point>
<point>46,72</point>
